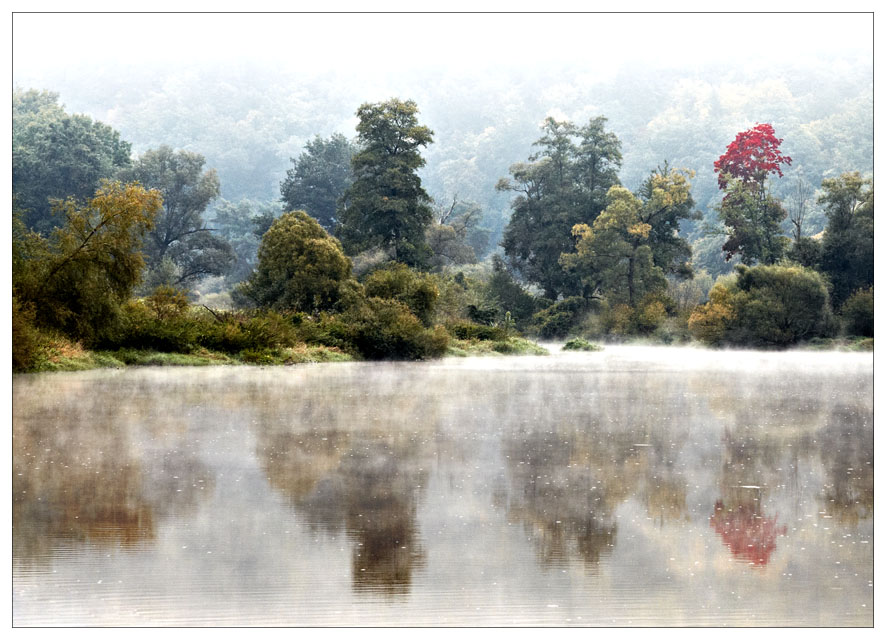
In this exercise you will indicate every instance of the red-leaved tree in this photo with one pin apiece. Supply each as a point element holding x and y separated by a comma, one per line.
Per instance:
<point>752,156</point>
<point>751,215</point>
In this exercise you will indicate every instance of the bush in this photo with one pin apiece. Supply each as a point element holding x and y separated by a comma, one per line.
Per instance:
<point>387,329</point>
<point>580,344</point>
<point>300,267</point>
<point>858,313</point>
<point>418,291</point>
<point>27,341</point>
<point>471,331</point>
<point>558,320</point>
<point>773,305</point>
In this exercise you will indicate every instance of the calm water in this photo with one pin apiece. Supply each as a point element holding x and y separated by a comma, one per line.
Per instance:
<point>637,486</point>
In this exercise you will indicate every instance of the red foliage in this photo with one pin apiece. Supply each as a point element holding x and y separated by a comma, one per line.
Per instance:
<point>749,536</point>
<point>751,156</point>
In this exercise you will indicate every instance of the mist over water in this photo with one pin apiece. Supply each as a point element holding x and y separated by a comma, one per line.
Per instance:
<point>633,486</point>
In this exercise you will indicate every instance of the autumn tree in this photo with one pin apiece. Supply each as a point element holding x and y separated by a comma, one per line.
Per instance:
<point>180,248</point>
<point>848,246</point>
<point>300,267</point>
<point>633,244</point>
<point>318,178</point>
<point>386,207</point>
<point>76,279</point>
<point>56,156</point>
<point>751,214</point>
<point>563,184</point>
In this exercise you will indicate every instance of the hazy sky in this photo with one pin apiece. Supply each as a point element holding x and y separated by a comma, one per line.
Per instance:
<point>360,42</point>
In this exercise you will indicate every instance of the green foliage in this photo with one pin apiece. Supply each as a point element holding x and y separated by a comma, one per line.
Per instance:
<point>471,331</point>
<point>766,305</point>
<point>563,184</point>
<point>396,281</point>
<point>752,218</point>
<point>27,340</point>
<point>300,267</point>
<point>580,344</point>
<point>504,295</point>
<point>56,156</point>
<point>632,244</point>
<point>848,246</point>
<point>76,280</point>
<point>559,319</point>
<point>387,330</point>
<point>806,251</point>
<point>319,178</point>
<point>386,206</point>
<point>179,233</point>
<point>858,313</point>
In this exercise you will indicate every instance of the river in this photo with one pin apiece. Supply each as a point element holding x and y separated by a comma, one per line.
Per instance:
<point>637,486</point>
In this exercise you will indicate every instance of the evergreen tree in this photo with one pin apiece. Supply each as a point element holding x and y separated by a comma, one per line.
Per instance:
<point>386,206</point>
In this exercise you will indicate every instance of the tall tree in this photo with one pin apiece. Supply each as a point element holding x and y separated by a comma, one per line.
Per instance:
<point>386,206</point>
<point>180,248</point>
<point>319,177</point>
<point>632,245</point>
<point>751,214</point>
<point>56,156</point>
<point>848,245</point>
<point>564,183</point>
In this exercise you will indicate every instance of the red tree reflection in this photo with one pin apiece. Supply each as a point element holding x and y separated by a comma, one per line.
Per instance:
<point>749,535</point>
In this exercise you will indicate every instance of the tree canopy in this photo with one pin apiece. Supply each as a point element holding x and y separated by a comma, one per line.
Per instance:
<point>386,206</point>
<point>56,156</point>
<point>565,183</point>
<point>300,267</point>
<point>319,177</point>
<point>180,248</point>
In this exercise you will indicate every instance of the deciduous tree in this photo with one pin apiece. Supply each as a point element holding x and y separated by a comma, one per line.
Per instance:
<point>56,156</point>
<point>179,236</point>
<point>300,267</point>
<point>319,177</point>
<point>752,216</point>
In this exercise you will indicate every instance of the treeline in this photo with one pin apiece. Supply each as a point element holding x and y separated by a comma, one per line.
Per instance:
<point>107,248</point>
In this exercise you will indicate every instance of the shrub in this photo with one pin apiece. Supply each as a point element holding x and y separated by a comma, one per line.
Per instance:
<point>300,267</point>
<point>558,319</point>
<point>418,291</point>
<point>471,331</point>
<point>580,344</point>
<point>27,341</point>
<point>858,313</point>
<point>765,305</point>
<point>387,329</point>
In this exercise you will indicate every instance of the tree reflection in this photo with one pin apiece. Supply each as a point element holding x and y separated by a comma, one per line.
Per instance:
<point>365,483</point>
<point>748,534</point>
<point>78,475</point>
<point>848,493</point>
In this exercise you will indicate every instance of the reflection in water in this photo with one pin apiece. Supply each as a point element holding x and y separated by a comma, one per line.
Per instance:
<point>571,490</point>
<point>748,534</point>
<point>78,475</point>
<point>366,482</point>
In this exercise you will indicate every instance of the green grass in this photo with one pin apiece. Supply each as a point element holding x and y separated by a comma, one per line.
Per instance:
<point>510,346</point>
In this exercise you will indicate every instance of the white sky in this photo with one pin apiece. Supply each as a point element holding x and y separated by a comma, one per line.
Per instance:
<point>362,42</point>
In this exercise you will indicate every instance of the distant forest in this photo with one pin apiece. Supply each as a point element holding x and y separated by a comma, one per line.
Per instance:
<point>544,203</point>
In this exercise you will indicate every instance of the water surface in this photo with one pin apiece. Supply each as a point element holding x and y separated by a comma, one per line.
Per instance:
<point>636,486</point>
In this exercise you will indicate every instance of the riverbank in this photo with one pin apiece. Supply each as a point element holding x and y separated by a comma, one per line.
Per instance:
<point>65,356</point>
